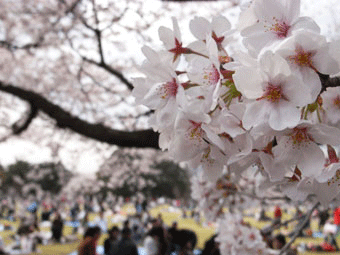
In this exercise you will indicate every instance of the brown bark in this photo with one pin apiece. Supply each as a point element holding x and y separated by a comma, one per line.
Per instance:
<point>139,138</point>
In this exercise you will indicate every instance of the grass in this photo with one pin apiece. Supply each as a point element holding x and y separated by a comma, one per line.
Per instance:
<point>203,233</point>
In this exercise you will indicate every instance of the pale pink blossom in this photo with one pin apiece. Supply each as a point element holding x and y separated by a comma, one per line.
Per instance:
<point>331,104</point>
<point>299,146</point>
<point>275,93</point>
<point>308,54</point>
<point>275,21</point>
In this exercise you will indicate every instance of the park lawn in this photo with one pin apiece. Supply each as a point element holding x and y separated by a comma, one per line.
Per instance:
<point>203,233</point>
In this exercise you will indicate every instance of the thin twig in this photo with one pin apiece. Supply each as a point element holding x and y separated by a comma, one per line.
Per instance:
<point>112,71</point>
<point>299,229</point>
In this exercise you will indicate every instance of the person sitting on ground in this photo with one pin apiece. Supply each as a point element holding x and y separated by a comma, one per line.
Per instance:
<point>328,245</point>
<point>110,241</point>
<point>279,241</point>
<point>125,246</point>
<point>211,247</point>
<point>323,217</point>
<point>187,240</point>
<point>137,233</point>
<point>88,245</point>
<point>151,242</point>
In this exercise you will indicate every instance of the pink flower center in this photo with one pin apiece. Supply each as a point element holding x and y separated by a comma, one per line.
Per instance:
<point>211,75</point>
<point>195,131</point>
<point>280,28</point>
<point>273,93</point>
<point>335,178</point>
<point>169,89</point>
<point>336,101</point>
<point>303,58</point>
<point>300,135</point>
<point>252,236</point>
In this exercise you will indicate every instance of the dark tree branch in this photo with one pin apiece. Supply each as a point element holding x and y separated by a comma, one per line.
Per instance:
<point>99,132</point>
<point>98,33</point>
<point>18,127</point>
<point>329,82</point>
<point>102,63</point>
<point>10,47</point>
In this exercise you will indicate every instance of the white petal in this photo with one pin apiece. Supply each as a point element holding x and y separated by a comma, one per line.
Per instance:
<point>200,27</point>
<point>291,9</point>
<point>285,151</point>
<point>324,134</point>
<point>285,115</point>
<point>274,64</point>
<point>328,172</point>
<point>248,82</point>
<point>276,171</point>
<point>177,33</point>
<point>150,54</point>
<point>247,18</point>
<point>291,190</point>
<point>324,62</point>
<point>306,23</point>
<point>267,9</point>
<point>167,37</point>
<point>140,89</point>
<point>296,91</point>
<point>153,99</point>
<point>213,137</point>
<point>311,160</point>
<point>312,80</point>
<point>255,114</point>
<point>220,25</point>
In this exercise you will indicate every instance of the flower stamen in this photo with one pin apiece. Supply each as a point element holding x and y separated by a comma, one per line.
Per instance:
<point>303,58</point>
<point>169,89</point>
<point>273,93</point>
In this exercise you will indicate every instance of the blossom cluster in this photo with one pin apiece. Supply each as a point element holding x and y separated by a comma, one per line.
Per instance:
<point>267,106</point>
<point>211,196</point>
<point>237,237</point>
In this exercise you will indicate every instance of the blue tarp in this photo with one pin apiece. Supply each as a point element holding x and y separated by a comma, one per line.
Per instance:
<point>74,224</point>
<point>32,207</point>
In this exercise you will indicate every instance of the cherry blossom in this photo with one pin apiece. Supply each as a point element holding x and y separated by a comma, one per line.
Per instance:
<point>172,40</point>
<point>218,29</point>
<point>308,54</point>
<point>299,146</point>
<point>205,72</point>
<point>275,20</point>
<point>275,92</point>
<point>236,237</point>
<point>233,116</point>
<point>208,197</point>
<point>331,104</point>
